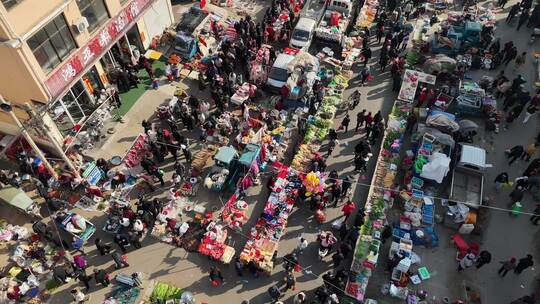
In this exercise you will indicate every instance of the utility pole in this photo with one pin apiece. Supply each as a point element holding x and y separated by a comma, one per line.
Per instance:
<point>6,107</point>
<point>57,147</point>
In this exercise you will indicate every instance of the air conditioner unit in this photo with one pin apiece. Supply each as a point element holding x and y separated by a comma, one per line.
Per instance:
<point>81,25</point>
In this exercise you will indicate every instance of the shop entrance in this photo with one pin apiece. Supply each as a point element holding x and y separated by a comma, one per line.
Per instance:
<point>72,108</point>
<point>134,39</point>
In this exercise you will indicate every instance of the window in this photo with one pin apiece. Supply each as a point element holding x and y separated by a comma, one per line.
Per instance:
<point>10,3</point>
<point>123,1</point>
<point>52,44</point>
<point>95,11</point>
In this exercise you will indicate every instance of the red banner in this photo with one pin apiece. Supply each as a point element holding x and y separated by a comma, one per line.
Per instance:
<point>101,42</point>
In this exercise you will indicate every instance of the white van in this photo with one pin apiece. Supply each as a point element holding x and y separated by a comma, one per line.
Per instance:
<point>278,73</point>
<point>303,34</point>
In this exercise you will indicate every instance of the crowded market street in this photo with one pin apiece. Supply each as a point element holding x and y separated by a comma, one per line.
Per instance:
<point>283,195</point>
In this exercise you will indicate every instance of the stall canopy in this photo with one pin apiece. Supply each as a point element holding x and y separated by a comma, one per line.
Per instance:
<point>225,155</point>
<point>250,154</point>
<point>441,137</point>
<point>15,198</point>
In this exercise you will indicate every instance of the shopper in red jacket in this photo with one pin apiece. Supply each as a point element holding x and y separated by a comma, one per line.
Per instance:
<point>348,209</point>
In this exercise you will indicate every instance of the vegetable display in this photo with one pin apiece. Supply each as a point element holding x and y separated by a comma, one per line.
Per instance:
<point>163,292</point>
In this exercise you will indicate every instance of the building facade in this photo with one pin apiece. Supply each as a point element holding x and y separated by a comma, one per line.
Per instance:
<point>56,55</point>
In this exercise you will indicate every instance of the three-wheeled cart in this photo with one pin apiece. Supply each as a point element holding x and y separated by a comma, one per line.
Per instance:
<point>75,225</point>
<point>219,173</point>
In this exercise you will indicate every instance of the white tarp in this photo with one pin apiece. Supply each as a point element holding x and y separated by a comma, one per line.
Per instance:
<point>437,167</point>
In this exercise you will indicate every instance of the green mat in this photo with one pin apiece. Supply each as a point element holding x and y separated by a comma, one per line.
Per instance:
<point>130,97</point>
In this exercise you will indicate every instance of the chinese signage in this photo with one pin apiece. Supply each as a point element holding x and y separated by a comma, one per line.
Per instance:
<point>100,43</point>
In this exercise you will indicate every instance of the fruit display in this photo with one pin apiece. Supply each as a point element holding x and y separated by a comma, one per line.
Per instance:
<point>302,158</point>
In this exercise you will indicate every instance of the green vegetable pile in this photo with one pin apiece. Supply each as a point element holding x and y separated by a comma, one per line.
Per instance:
<point>414,58</point>
<point>163,292</point>
<point>389,139</point>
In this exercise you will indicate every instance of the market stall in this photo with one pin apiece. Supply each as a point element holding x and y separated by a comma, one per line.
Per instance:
<point>270,227</point>
<point>213,244</point>
<point>366,251</point>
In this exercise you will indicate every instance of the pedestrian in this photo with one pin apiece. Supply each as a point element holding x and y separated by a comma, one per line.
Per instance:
<point>500,180</point>
<point>502,3</point>
<point>346,185</point>
<point>530,150</point>
<point>187,154</point>
<point>467,261</point>
<point>529,112</point>
<point>365,75</point>
<point>79,261</point>
<point>239,267</point>
<point>383,61</point>
<point>122,241</point>
<point>510,55</point>
<point>366,52</point>
<point>514,153</point>
<point>376,133</point>
<point>101,247</point>
<point>345,123</point>
<point>483,258</point>
<point>101,277</point>
<point>359,163</point>
<point>120,261</point>
<point>78,244</point>
<point>84,278</point>
<point>337,258</point>
<point>380,33</point>
<point>506,266</point>
<point>368,119</point>
<point>302,245</point>
<point>536,217</point>
<point>331,146</point>
<point>78,296</point>
<point>523,264</point>
<point>215,276</point>
<point>355,97</point>
<point>517,194</point>
<point>520,60</point>
<point>336,193</point>
<point>512,13</point>
<point>360,118</point>
<point>345,247</point>
<point>290,281</point>
<point>134,240</point>
<point>411,122</point>
<point>347,210</point>
<point>274,292</point>
<point>523,18</point>
<point>146,126</point>
<point>299,298</point>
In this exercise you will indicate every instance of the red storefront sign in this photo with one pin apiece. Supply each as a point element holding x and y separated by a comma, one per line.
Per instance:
<point>101,42</point>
